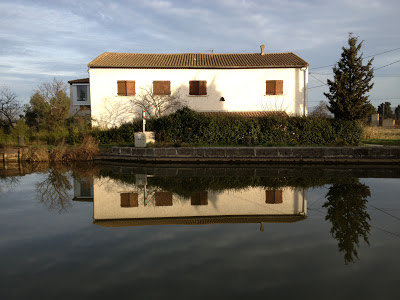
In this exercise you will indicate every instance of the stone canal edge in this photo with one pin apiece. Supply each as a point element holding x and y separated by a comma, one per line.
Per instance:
<point>335,155</point>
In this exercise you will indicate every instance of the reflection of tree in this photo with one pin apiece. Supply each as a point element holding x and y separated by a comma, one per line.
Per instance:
<point>9,182</point>
<point>346,206</point>
<point>53,191</point>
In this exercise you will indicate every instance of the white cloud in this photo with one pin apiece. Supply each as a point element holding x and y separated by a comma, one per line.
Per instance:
<point>44,37</point>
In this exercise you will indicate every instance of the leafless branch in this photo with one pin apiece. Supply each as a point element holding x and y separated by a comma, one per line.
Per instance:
<point>10,108</point>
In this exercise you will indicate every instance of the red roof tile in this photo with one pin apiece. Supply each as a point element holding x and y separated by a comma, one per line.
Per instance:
<point>247,114</point>
<point>198,60</point>
<point>83,80</point>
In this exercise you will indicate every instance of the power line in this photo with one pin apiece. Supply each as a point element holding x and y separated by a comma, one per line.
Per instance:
<point>314,87</point>
<point>387,65</point>
<point>371,225</point>
<point>375,75</point>
<point>385,231</point>
<point>363,58</point>
<point>381,210</point>
<point>318,79</point>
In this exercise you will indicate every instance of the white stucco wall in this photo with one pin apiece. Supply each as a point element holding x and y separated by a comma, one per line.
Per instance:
<point>242,89</point>
<point>249,201</point>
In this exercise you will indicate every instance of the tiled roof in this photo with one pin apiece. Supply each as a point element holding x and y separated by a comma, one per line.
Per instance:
<point>198,60</point>
<point>83,80</point>
<point>201,220</point>
<point>247,114</point>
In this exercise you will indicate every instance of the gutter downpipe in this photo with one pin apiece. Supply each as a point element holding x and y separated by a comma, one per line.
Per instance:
<point>304,69</point>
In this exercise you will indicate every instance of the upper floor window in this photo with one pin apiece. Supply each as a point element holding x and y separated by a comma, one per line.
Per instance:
<point>274,87</point>
<point>129,200</point>
<point>200,198</point>
<point>81,92</point>
<point>163,198</point>
<point>273,196</point>
<point>161,88</point>
<point>197,87</point>
<point>126,88</point>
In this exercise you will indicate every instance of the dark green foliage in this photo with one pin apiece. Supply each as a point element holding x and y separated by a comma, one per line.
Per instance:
<point>397,112</point>
<point>348,99</point>
<point>385,110</point>
<point>189,127</point>
<point>123,134</point>
<point>347,211</point>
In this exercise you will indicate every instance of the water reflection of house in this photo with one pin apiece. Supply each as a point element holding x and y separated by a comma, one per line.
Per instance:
<point>83,189</point>
<point>117,204</point>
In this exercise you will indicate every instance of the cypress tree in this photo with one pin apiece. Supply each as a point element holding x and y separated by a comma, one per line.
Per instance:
<point>385,110</point>
<point>348,99</point>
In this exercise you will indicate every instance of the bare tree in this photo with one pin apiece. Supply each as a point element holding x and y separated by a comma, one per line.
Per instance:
<point>157,105</point>
<point>276,105</point>
<point>10,107</point>
<point>321,111</point>
<point>53,191</point>
<point>114,113</point>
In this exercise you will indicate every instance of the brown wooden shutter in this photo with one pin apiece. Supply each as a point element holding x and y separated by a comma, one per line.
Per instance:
<point>279,87</point>
<point>130,88</point>
<point>202,87</point>
<point>199,198</point>
<point>121,87</point>
<point>193,87</point>
<point>270,87</point>
<point>161,87</point>
<point>273,196</point>
<point>278,196</point>
<point>163,198</point>
<point>269,196</point>
<point>129,200</point>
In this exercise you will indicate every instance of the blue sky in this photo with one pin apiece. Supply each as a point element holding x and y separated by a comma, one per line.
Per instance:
<point>45,39</point>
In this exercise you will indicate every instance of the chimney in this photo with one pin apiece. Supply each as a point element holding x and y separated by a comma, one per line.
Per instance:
<point>262,49</point>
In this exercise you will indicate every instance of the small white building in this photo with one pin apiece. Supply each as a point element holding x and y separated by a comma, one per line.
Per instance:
<point>80,97</point>
<point>205,82</point>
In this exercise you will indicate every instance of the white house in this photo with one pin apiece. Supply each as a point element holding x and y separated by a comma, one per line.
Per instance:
<point>118,204</point>
<point>205,82</point>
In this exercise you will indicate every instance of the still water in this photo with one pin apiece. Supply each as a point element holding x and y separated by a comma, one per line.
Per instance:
<point>107,231</point>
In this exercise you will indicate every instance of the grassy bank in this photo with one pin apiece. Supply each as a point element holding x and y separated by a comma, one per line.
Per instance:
<point>86,151</point>
<point>381,136</point>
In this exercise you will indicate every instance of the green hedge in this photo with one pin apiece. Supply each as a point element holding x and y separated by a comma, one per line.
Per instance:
<point>190,127</point>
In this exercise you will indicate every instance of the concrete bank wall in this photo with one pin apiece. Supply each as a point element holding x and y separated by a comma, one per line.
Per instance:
<point>387,155</point>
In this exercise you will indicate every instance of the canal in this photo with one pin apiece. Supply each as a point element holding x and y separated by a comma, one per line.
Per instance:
<point>116,230</point>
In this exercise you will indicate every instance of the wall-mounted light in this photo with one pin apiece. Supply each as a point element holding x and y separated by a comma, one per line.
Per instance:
<point>222,99</point>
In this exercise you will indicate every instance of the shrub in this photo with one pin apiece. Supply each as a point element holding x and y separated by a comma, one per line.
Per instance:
<point>186,126</point>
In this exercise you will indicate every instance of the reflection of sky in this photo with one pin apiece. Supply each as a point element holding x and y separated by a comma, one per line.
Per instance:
<point>49,255</point>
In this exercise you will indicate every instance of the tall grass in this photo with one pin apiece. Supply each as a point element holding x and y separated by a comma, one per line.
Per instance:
<point>382,133</point>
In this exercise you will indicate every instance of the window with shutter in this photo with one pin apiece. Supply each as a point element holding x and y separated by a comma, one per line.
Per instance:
<point>121,88</point>
<point>273,196</point>
<point>274,87</point>
<point>129,200</point>
<point>130,88</point>
<point>126,88</point>
<point>199,198</point>
<point>163,198</point>
<point>197,87</point>
<point>161,88</point>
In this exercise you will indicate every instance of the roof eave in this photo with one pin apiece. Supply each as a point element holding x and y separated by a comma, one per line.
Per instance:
<point>198,67</point>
